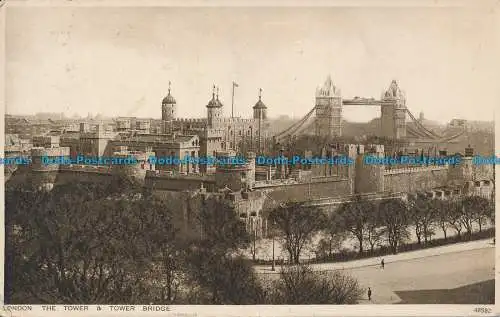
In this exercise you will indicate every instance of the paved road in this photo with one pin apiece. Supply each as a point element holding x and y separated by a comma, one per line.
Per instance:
<point>436,268</point>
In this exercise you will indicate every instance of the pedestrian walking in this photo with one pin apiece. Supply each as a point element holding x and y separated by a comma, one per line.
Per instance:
<point>382,263</point>
<point>369,293</point>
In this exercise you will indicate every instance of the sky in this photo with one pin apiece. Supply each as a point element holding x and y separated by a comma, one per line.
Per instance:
<point>118,61</point>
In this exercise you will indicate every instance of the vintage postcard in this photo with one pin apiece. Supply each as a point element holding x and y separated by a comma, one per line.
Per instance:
<point>324,158</point>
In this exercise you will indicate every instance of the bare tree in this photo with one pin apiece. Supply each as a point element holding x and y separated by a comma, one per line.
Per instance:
<point>467,215</point>
<point>298,223</point>
<point>374,227</point>
<point>454,216</point>
<point>374,232</point>
<point>334,234</point>
<point>422,216</point>
<point>299,285</point>
<point>478,208</point>
<point>355,216</point>
<point>442,210</point>
<point>394,216</point>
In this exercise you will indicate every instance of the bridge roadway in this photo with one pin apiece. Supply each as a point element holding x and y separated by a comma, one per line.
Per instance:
<point>365,102</point>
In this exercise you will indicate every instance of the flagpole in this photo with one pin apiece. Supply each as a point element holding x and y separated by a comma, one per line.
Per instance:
<point>232,103</point>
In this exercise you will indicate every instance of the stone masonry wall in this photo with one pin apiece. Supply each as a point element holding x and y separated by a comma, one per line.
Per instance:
<point>417,179</point>
<point>303,192</point>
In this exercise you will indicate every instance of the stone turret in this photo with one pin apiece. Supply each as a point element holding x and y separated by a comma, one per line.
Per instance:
<point>214,110</point>
<point>45,166</point>
<point>134,165</point>
<point>260,114</point>
<point>235,175</point>
<point>369,178</point>
<point>168,107</point>
<point>250,169</point>
<point>462,173</point>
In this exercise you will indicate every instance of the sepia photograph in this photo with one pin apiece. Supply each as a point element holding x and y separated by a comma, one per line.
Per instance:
<point>162,155</point>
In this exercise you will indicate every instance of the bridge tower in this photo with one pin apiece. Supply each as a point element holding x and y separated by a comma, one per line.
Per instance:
<point>393,112</point>
<point>328,110</point>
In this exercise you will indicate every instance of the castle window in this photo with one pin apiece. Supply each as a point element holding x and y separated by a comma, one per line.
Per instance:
<point>240,133</point>
<point>172,111</point>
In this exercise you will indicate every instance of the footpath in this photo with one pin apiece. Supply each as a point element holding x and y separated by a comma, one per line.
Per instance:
<point>405,271</point>
<point>405,256</point>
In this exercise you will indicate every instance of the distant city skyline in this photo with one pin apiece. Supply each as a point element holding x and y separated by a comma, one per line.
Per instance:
<point>118,61</point>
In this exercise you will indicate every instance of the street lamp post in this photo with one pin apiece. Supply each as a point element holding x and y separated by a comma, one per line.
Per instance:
<point>254,251</point>
<point>273,268</point>
<point>273,265</point>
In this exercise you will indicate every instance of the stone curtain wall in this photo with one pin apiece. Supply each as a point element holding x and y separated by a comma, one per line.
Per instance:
<point>69,176</point>
<point>306,191</point>
<point>415,179</point>
<point>178,182</point>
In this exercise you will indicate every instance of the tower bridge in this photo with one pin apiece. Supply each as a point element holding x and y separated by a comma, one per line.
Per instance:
<point>326,116</point>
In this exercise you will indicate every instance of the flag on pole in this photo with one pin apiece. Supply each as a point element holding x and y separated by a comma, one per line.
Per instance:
<point>235,84</point>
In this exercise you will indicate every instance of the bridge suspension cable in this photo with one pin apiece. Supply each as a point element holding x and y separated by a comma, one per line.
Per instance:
<point>419,130</point>
<point>421,127</point>
<point>422,131</point>
<point>296,126</point>
<point>415,132</point>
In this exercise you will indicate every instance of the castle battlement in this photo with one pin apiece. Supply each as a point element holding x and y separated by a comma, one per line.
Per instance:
<point>96,135</point>
<point>56,151</point>
<point>408,170</point>
<point>139,156</point>
<point>86,168</point>
<point>216,132</point>
<point>236,120</point>
<point>275,183</point>
<point>174,176</point>
<point>190,120</point>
